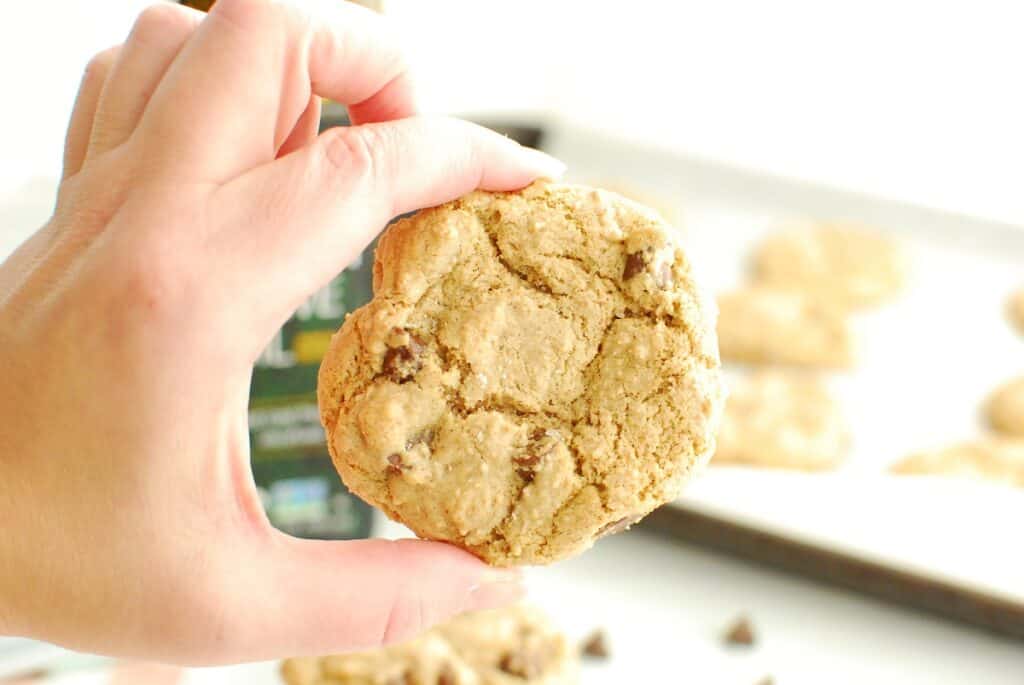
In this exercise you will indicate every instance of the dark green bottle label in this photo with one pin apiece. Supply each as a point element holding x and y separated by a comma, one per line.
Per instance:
<point>300,489</point>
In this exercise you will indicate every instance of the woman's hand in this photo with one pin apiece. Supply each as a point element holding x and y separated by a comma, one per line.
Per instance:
<point>198,209</point>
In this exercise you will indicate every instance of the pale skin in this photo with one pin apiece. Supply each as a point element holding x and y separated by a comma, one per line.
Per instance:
<point>198,208</point>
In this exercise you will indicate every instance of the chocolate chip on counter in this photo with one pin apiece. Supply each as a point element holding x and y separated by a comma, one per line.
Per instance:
<point>403,361</point>
<point>596,646</point>
<point>522,663</point>
<point>740,633</point>
<point>447,676</point>
<point>636,262</point>
<point>618,526</point>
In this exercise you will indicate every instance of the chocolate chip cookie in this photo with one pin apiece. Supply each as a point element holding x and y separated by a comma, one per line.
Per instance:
<point>759,325</point>
<point>517,645</point>
<point>847,264</point>
<point>1005,408</point>
<point>782,420</point>
<point>536,370</point>
<point>995,459</point>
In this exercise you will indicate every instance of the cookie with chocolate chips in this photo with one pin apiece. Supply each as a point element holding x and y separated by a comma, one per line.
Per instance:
<point>536,369</point>
<point>502,646</point>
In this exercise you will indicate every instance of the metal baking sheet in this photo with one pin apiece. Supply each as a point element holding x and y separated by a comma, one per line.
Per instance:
<point>926,362</point>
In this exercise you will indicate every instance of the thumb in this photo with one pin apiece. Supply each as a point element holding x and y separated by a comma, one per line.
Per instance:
<point>315,597</point>
<point>315,210</point>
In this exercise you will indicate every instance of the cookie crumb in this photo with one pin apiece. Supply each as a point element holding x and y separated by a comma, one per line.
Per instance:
<point>767,680</point>
<point>596,646</point>
<point>741,633</point>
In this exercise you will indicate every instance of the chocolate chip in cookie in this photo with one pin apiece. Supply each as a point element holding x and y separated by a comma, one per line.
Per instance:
<point>636,263</point>
<point>402,361</point>
<point>523,663</point>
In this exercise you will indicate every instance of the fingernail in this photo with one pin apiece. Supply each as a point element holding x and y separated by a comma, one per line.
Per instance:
<point>543,163</point>
<point>496,588</point>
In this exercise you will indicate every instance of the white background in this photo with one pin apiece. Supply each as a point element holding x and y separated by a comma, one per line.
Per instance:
<point>916,100</point>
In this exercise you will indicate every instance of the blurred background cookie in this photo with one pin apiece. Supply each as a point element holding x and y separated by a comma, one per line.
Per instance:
<point>1004,408</point>
<point>759,325</point>
<point>845,263</point>
<point>994,459</point>
<point>1015,309</point>
<point>513,645</point>
<point>782,420</point>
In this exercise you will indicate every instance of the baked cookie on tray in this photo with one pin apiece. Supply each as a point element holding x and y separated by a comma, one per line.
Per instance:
<point>848,264</point>
<point>1015,309</point>
<point>994,459</point>
<point>1004,408</point>
<point>536,369</point>
<point>759,325</point>
<point>511,646</point>
<point>783,420</point>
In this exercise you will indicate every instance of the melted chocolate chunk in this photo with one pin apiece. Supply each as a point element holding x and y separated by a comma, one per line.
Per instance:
<point>403,362</point>
<point>523,663</point>
<point>636,262</point>
<point>395,463</point>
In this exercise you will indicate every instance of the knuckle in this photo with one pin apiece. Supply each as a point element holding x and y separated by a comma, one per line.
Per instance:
<point>157,22</point>
<point>98,67</point>
<point>353,150</point>
<point>248,14</point>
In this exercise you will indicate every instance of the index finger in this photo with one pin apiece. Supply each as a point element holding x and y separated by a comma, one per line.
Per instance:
<point>241,84</point>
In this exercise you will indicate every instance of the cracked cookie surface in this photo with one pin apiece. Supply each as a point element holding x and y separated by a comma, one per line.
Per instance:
<point>536,369</point>
<point>496,647</point>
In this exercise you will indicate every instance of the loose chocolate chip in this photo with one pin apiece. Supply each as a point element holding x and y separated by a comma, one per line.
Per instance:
<point>618,526</point>
<point>401,363</point>
<point>522,663</point>
<point>447,676</point>
<point>741,633</point>
<point>596,646</point>
<point>395,463</point>
<point>636,262</point>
